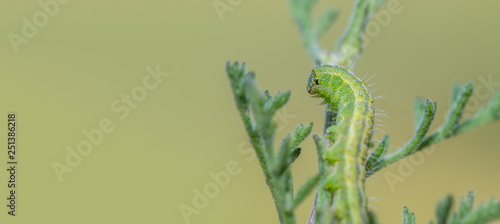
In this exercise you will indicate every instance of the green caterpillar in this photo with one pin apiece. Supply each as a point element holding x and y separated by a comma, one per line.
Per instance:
<point>349,97</point>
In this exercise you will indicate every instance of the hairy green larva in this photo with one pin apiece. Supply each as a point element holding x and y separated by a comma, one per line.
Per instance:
<point>349,97</point>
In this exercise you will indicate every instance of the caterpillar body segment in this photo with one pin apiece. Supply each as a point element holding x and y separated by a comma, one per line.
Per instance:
<point>350,98</point>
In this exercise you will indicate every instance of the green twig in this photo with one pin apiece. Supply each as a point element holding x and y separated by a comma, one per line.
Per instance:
<point>484,213</point>
<point>414,143</point>
<point>449,128</point>
<point>350,45</point>
<point>408,216</point>
<point>257,112</point>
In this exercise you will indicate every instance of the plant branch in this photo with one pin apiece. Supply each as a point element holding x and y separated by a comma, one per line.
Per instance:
<point>449,128</point>
<point>484,213</point>
<point>350,45</point>
<point>257,112</point>
<point>408,216</point>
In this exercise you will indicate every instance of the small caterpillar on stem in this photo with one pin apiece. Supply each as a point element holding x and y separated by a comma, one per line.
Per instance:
<point>349,97</point>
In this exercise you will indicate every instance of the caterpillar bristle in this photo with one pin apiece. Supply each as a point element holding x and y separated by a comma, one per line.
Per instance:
<point>378,160</point>
<point>384,97</point>
<point>371,207</point>
<point>315,63</point>
<point>374,176</point>
<point>363,79</point>
<point>381,114</point>
<point>370,78</point>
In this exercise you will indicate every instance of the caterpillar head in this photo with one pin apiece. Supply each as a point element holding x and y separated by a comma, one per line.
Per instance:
<point>324,81</point>
<point>313,83</point>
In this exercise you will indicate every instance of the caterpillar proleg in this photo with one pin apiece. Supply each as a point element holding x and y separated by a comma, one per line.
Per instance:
<point>349,97</point>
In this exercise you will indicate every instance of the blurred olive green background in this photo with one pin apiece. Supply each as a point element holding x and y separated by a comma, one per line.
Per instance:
<point>66,77</point>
